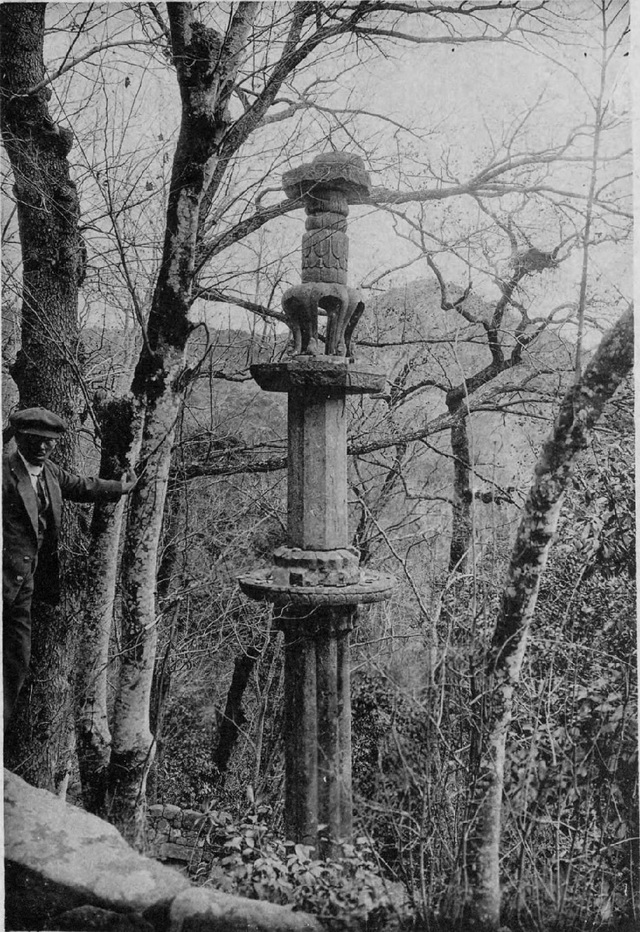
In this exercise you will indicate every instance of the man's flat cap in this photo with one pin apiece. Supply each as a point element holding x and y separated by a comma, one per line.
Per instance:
<point>38,421</point>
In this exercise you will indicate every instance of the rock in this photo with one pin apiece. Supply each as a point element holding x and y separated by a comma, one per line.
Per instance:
<point>68,869</point>
<point>191,817</point>
<point>59,857</point>
<point>401,911</point>
<point>169,852</point>
<point>94,919</point>
<point>204,910</point>
<point>170,813</point>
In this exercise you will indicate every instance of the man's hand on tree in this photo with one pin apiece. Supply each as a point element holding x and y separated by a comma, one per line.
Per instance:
<point>129,481</point>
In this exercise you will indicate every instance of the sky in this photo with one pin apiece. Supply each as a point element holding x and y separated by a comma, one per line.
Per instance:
<point>457,97</point>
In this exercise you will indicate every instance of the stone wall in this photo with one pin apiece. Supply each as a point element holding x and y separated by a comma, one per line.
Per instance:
<point>178,837</point>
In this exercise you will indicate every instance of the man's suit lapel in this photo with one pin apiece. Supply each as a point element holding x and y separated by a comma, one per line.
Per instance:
<point>25,490</point>
<point>55,495</point>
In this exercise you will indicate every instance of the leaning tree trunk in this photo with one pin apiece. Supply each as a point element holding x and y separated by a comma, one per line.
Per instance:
<point>45,371</point>
<point>579,412</point>
<point>234,716</point>
<point>206,66</point>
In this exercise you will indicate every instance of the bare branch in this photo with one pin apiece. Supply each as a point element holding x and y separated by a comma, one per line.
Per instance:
<point>214,294</point>
<point>70,65</point>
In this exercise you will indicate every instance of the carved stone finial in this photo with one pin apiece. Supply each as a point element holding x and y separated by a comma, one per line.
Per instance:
<point>327,186</point>
<point>339,171</point>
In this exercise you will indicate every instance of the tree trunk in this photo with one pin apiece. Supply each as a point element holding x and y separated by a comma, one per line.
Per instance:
<point>45,371</point>
<point>234,717</point>
<point>132,744</point>
<point>170,582</point>
<point>206,64</point>
<point>92,726</point>
<point>579,412</point>
<point>461,527</point>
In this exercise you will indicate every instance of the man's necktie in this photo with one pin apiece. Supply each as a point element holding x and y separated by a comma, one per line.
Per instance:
<point>43,502</point>
<point>41,492</point>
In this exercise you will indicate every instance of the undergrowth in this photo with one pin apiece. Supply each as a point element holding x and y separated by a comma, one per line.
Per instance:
<point>346,892</point>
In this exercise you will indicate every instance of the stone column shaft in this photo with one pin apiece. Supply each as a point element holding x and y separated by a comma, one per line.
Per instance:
<point>317,726</point>
<point>317,492</point>
<point>300,735</point>
<point>344,727</point>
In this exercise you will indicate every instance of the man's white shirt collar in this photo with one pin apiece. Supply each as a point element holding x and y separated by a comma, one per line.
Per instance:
<point>34,471</point>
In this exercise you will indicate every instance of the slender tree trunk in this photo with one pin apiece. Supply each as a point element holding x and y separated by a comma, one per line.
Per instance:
<point>92,725</point>
<point>169,577</point>
<point>234,717</point>
<point>206,64</point>
<point>600,110</point>
<point>132,742</point>
<point>169,583</point>
<point>267,693</point>
<point>461,527</point>
<point>580,410</point>
<point>45,371</point>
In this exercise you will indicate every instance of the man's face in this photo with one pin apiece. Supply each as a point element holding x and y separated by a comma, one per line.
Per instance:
<point>35,449</point>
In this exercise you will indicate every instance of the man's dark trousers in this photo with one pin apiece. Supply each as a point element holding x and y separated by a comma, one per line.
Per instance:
<point>16,644</point>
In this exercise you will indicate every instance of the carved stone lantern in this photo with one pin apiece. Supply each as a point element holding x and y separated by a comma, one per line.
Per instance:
<point>315,581</point>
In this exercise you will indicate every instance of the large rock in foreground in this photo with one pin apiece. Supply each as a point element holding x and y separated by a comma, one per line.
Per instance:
<point>59,858</point>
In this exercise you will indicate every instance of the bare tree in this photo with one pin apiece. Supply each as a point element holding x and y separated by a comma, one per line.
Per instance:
<point>47,365</point>
<point>578,414</point>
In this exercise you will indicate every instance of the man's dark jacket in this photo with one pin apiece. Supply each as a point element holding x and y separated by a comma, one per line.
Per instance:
<point>20,521</point>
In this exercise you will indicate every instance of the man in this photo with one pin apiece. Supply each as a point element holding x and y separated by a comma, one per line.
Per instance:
<point>32,494</point>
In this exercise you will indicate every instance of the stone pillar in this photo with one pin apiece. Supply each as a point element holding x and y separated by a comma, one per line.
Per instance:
<point>317,489</point>
<point>301,732</point>
<point>315,580</point>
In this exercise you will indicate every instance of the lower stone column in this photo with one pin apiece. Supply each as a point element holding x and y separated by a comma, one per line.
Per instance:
<point>317,726</point>
<point>300,732</point>
<point>344,722</point>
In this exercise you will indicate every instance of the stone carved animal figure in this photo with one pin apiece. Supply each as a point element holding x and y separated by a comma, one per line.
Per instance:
<point>300,305</point>
<point>343,307</point>
<point>301,312</point>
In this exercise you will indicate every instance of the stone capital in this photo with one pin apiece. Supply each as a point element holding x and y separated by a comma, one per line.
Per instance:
<point>319,374</point>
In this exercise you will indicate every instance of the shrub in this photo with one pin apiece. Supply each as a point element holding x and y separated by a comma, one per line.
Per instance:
<point>346,893</point>
<point>185,775</point>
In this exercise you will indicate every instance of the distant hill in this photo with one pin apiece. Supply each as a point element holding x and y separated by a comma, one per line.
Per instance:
<point>407,328</point>
<point>404,327</point>
<point>407,332</point>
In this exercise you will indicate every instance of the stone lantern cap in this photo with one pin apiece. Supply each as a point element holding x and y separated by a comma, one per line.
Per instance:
<point>339,171</point>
